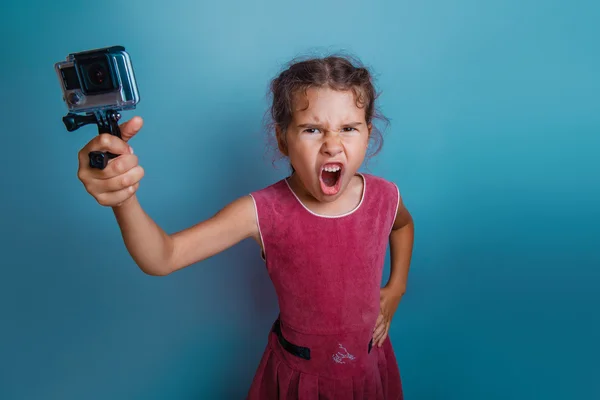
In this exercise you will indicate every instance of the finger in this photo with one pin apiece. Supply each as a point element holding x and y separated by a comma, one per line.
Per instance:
<point>378,322</point>
<point>382,339</point>
<point>379,331</point>
<point>377,338</point>
<point>117,166</point>
<point>377,328</point>
<point>116,183</point>
<point>382,334</point>
<point>131,127</point>
<point>103,142</point>
<point>115,198</point>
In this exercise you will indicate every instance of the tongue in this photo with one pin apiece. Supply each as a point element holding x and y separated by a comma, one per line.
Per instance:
<point>330,182</point>
<point>330,178</point>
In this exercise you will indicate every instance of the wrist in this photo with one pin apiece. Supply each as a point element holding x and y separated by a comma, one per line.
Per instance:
<point>396,288</point>
<point>125,205</point>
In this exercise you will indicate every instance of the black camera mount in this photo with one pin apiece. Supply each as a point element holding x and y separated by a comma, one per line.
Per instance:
<point>107,121</point>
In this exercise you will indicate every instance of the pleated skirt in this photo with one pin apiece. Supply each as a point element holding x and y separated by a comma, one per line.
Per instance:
<point>341,367</point>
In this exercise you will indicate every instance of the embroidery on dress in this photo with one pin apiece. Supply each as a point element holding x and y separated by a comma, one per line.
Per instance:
<point>340,356</point>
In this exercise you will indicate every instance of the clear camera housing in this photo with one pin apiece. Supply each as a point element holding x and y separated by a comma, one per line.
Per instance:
<point>97,80</point>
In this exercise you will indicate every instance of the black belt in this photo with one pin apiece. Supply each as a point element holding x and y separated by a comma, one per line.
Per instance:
<point>298,351</point>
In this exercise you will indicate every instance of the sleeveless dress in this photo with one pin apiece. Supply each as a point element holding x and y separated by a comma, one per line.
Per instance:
<point>327,274</point>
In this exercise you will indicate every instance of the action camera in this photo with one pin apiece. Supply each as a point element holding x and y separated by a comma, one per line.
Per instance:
<point>96,85</point>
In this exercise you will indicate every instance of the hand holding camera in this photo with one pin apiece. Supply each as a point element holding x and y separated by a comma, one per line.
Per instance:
<point>119,180</point>
<point>96,85</point>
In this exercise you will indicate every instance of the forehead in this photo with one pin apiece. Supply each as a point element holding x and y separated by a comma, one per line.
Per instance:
<point>326,105</point>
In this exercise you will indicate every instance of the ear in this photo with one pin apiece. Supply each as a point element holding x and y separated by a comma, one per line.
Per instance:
<point>281,143</point>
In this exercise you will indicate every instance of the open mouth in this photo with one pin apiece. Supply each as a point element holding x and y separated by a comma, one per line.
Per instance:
<point>330,178</point>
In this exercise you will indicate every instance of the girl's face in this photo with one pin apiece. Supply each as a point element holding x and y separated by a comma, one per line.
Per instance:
<point>326,141</point>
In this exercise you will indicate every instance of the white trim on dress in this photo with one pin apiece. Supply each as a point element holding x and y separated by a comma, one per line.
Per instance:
<point>263,252</point>
<point>332,216</point>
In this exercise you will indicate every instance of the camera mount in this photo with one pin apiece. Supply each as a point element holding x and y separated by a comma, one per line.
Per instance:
<point>107,121</point>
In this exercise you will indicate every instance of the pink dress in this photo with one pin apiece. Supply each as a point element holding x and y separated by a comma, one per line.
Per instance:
<point>327,274</point>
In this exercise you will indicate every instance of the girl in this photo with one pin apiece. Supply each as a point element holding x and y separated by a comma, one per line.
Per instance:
<point>323,233</point>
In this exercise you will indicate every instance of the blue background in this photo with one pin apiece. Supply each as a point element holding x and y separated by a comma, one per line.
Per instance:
<point>494,138</point>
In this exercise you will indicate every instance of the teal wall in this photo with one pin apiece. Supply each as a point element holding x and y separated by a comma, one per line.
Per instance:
<point>494,139</point>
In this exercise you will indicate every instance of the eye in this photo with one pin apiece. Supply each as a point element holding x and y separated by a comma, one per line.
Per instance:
<point>348,129</point>
<point>310,130</point>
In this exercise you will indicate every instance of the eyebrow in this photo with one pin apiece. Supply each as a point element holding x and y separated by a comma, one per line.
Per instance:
<point>310,125</point>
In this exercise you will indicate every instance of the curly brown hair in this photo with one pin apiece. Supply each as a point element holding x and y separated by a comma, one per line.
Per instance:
<point>338,72</point>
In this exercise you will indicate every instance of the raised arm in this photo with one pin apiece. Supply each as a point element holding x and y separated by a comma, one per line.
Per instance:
<point>158,253</point>
<point>155,251</point>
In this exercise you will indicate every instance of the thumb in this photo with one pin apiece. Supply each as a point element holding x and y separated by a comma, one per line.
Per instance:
<point>131,127</point>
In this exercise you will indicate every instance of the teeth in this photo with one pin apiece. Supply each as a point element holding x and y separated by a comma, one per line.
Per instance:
<point>332,169</point>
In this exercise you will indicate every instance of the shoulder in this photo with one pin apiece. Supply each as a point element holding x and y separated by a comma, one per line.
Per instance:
<point>271,190</point>
<point>377,179</point>
<point>389,190</point>
<point>246,205</point>
<point>243,212</point>
<point>381,186</point>
<point>387,195</point>
<point>270,199</point>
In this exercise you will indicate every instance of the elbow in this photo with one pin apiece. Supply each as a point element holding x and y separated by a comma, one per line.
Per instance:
<point>164,267</point>
<point>156,273</point>
<point>160,270</point>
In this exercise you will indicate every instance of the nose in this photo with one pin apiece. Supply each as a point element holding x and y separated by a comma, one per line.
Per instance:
<point>332,146</point>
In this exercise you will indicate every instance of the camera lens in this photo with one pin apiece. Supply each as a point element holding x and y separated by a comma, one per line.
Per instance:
<point>97,74</point>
